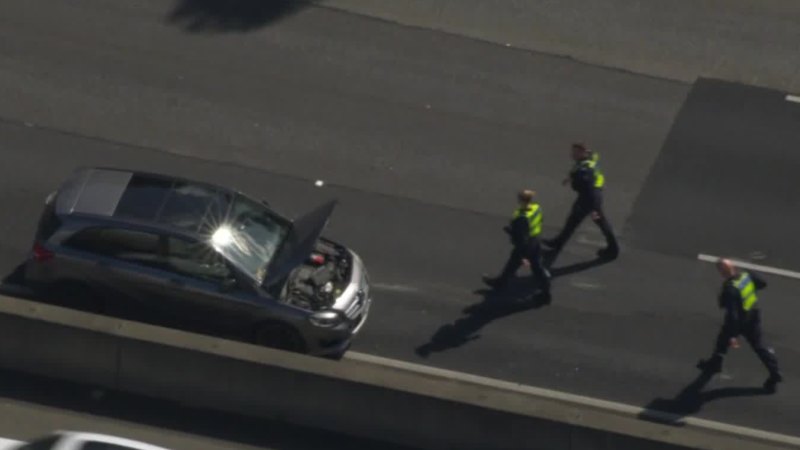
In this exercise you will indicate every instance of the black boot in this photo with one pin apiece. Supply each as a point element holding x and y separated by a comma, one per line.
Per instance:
<point>545,296</point>
<point>608,253</point>
<point>545,288</point>
<point>711,365</point>
<point>494,283</point>
<point>772,382</point>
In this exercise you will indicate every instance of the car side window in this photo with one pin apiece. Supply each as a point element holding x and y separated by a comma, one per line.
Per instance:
<point>127,245</point>
<point>196,259</point>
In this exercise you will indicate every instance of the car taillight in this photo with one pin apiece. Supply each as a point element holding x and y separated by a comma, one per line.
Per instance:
<point>41,254</point>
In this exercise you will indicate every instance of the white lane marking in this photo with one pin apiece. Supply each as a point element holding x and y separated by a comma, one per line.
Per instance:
<point>793,98</point>
<point>758,267</point>
<point>586,285</point>
<point>394,287</point>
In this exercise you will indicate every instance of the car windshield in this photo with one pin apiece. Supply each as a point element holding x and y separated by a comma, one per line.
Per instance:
<point>250,237</point>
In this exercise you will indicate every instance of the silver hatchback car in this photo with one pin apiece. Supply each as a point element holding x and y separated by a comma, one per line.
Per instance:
<point>202,255</point>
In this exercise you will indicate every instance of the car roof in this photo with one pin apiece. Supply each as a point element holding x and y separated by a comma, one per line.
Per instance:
<point>143,197</point>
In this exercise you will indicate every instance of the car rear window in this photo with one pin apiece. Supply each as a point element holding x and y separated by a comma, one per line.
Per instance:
<point>143,198</point>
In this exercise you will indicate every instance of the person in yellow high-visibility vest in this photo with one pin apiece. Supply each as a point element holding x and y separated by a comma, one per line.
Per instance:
<point>588,181</point>
<point>742,318</point>
<point>524,230</point>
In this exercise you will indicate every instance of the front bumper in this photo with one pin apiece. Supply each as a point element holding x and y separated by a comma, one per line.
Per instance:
<point>355,303</point>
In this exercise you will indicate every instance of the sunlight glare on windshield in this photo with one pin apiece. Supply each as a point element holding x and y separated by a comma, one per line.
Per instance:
<point>222,237</point>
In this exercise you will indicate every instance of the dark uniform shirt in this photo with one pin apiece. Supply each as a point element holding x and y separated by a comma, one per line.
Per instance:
<point>519,231</point>
<point>730,299</point>
<point>582,179</point>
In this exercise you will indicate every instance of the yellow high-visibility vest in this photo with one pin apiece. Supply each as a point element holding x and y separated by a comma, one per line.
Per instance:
<point>747,289</point>
<point>533,213</point>
<point>591,163</point>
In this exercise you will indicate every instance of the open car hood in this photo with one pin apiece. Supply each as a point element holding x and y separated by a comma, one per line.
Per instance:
<point>300,242</point>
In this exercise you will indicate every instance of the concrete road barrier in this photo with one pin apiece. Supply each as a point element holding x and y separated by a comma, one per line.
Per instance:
<point>362,395</point>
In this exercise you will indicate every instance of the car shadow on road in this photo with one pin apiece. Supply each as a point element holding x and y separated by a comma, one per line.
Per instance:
<point>199,16</point>
<point>520,295</point>
<point>11,284</point>
<point>690,400</point>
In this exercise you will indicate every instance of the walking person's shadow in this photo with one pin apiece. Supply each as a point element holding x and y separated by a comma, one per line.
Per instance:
<point>690,400</point>
<point>560,271</point>
<point>519,296</point>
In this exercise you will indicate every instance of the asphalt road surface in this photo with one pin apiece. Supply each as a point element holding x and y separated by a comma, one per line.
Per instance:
<point>746,41</point>
<point>424,138</point>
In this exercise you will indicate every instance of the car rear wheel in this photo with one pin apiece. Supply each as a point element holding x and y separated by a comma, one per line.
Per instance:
<point>280,336</point>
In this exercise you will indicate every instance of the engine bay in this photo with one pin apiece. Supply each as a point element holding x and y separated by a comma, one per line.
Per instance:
<point>315,284</point>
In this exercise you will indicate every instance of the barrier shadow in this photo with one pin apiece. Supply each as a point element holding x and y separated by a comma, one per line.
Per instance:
<point>13,284</point>
<point>691,399</point>
<point>15,277</point>
<point>84,399</point>
<point>209,16</point>
<point>128,411</point>
<point>519,296</point>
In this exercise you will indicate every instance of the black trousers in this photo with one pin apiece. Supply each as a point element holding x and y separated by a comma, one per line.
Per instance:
<point>581,209</point>
<point>752,332</point>
<point>532,251</point>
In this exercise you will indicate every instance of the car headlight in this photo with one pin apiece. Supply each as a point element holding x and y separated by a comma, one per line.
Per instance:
<point>326,319</point>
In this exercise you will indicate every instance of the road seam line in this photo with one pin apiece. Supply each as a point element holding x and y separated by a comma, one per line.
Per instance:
<point>393,287</point>
<point>758,267</point>
<point>590,242</point>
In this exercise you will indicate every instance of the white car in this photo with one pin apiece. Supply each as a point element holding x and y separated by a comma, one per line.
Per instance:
<point>71,440</point>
